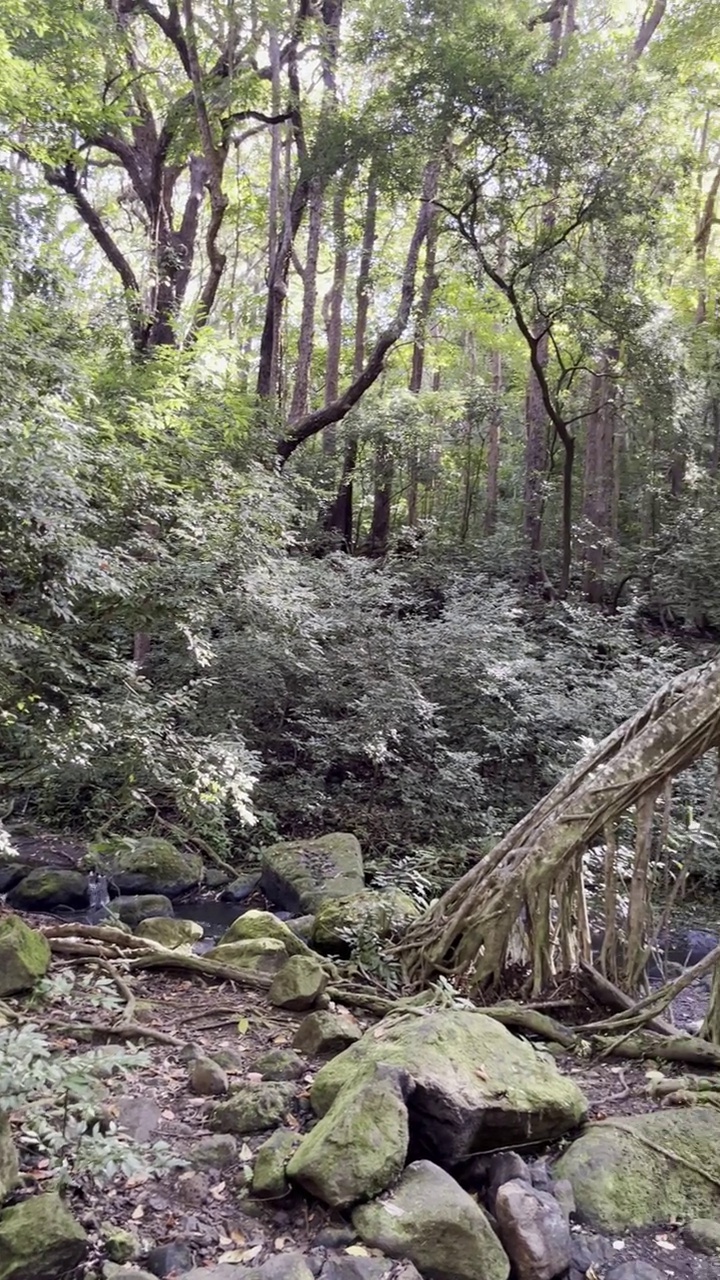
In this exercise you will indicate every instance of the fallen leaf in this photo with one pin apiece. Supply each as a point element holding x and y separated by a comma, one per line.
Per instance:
<point>254,1077</point>
<point>232,1255</point>
<point>168,1115</point>
<point>218,1192</point>
<point>236,1237</point>
<point>664,1243</point>
<point>138,1213</point>
<point>481,1073</point>
<point>249,1254</point>
<point>242,1025</point>
<point>358,1251</point>
<point>394,1210</point>
<point>618,1244</point>
<point>246,1152</point>
<point>280,1243</point>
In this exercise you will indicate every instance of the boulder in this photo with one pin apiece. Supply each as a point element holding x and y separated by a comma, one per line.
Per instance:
<point>241,888</point>
<point>477,1086</point>
<point>360,1145</point>
<point>133,909</point>
<point>120,1245</point>
<point>12,874</point>
<point>263,924</point>
<point>353,1267</point>
<point>8,1158</point>
<point>271,1160</point>
<point>534,1231</point>
<point>215,878</point>
<point>258,955</point>
<point>280,1064</point>
<point>429,1219</point>
<point>252,1108</point>
<point>40,1239</point>
<point>45,888</point>
<point>379,913</point>
<point>620,1181</point>
<point>168,931</point>
<point>207,1078</point>
<point>216,1151</point>
<point>298,875</point>
<point>24,956</point>
<point>325,1033</point>
<point>174,1258</point>
<point>303,927</point>
<point>298,984</point>
<point>702,1235</point>
<point>149,865</point>
<point>635,1270</point>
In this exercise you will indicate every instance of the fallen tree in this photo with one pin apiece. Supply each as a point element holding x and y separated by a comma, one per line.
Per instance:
<point>525,901</point>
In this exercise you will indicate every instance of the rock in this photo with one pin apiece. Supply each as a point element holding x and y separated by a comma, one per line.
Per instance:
<point>506,1166</point>
<point>325,1033</point>
<point>112,1271</point>
<point>286,1266</point>
<point>138,1117</point>
<point>207,1078</point>
<point>44,888</point>
<point>230,1060</point>
<point>702,1235</point>
<point>334,1237</point>
<point>8,1156</point>
<point>457,1109</point>
<point>347,1267</point>
<point>12,875</point>
<point>140,906</point>
<point>217,1151</point>
<point>380,913</point>
<point>620,1182</point>
<point>215,878</point>
<point>120,1245</point>
<point>299,875</point>
<point>588,1252</point>
<point>252,1108</point>
<point>263,924</point>
<point>256,955</point>
<point>303,927</point>
<point>169,932</point>
<point>271,1161</point>
<point>170,1259</point>
<point>298,984</point>
<point>565,1196</point>
<point>360,1145</point>
<point>534,1231</point>
<point>635,1270</point>
<point>40,1239</point>
<point>241,888</point>
<point>24,956</point>
<point>148,866</point>
<point>429,1219</point>
<point>225,1271</point>
<point>280,1064</point>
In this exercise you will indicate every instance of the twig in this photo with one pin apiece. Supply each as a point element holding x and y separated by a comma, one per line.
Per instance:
<point>122,986</point>
<point>123,1030</point>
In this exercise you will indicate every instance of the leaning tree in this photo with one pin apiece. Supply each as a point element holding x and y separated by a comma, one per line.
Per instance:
<point>525,901</point>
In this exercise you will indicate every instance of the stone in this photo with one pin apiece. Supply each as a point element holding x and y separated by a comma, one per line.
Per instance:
<point>230,1060</point>
<point>504,1167</point>
<point>702,1235</point>
<point>263,924</point>
<point>280,1064</point>
<point>215,878</point>
<point>477,1086</point>
<point>620,1182</point>
<point>565,1196</point>
<point>170,1259</point>
<point>207,1078</point>
<point>303,927</point>
<point>138,1117</point>
<point>215,1151</point>
<point>120,1245</point>
<point>148,866</point>
<point>224,1271</point>
<point>430,1220</point>
<point>133,909</point>
<point>286,1266</point>
<point>534,1231</point>
<point>40,1239</point>
<point>241,888</point>
<point>45,888</point>
<point>334,1237</point>
<point>635,1270</point>
<point>591,1252</point>
<point>12,875</point>
<point>324,1032</point>
<point>8,1158</point>
<point>24,956</point>
<point>298,984</point>
<point>298,875</point>
<point>271,1161</point>
<point>360,1146</point>
<point>112,1271</point>
<point>254,955</point>
<point>347,1267</point>
<point>380,913</point>
<point>252,1108</point>
<point>169,932</point>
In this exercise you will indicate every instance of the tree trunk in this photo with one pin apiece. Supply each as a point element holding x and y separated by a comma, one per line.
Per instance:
<point>493,444</point>
<point>536,453</point>
<point>379,536</point>
<point>306,340</point>
<point>333,304</point>
<point>599,480</point>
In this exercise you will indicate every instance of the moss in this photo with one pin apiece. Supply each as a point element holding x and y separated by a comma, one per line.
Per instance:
<point>260,955</point>
<point>169,932</point>
<point>40,1240</point>
<point>49,887</point>
<point>301,874</point>
<point>149,865</point>
<point>252,1108</point>
<point>24,956</point>
<point>262,924</point>
<point>380,912</point>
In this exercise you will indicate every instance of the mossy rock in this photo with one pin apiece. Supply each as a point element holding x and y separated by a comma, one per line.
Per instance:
<point>299,983</point>
<point>149,865</point>
<point>256,955</point>
<point>252,1108</point>
<point>280,1064</point>
<point>263,924</point>
<point>479,1087</point>
<point>301,874</point>
<point>271,1160</point>
<point>8,1158</point>
<point>135,908</point>
<point>379,913</point>
<point>11,874</point>
<point>171,933</point>
<point>621,1182</point>
<point>40,1240</point>
<point>45,888</point>
<point>24,956</point>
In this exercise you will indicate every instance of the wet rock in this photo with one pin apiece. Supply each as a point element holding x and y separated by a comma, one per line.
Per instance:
<point>215,878</point>
<point>138,1117</point>
<point>299,875</point>
<point>24,956</point>
<point>12,874</point>
<point>430,1220</point>
<point>217,1151</point>
<point>324,1032</point>
<point>533,1230</point>
<point>40,1239</point>
<point>133,909</point>
<point>271,1160</point>
<point>257,955</point>
<point>620,1182</point>
<point>170,933</point>
<point>360,1146</point>
<point>280,1064</point>
<point>148,866</point>
<point>241,888</point>
<point>252,1108</point>
<point>379,912</point>
<point>44,888</point>
<point>702,1235</point>
<point>298,984</point>
<point>170,1259</point>
<point>8,1158</point>
<point>207,1078</point>
<point>518,1097</point>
